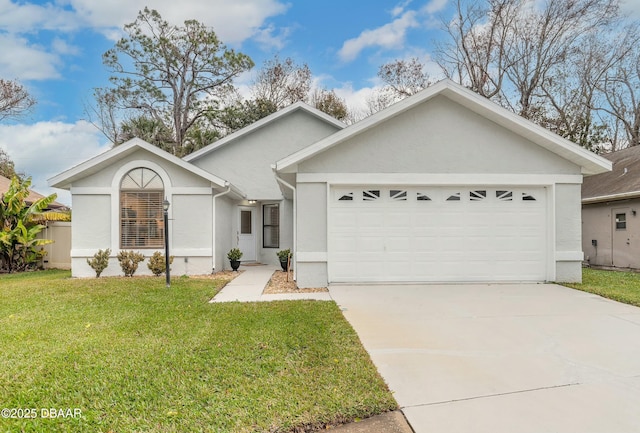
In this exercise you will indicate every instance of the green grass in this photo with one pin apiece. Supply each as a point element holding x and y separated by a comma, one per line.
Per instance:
<point>134,356</point>
<point>619,286</point>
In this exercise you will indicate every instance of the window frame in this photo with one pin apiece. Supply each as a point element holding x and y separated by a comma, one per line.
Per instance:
<point>271,226</point>
<point>621,224</point>
<point>147,198</point>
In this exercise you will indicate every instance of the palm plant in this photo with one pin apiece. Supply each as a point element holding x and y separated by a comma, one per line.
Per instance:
<point>19,228</point>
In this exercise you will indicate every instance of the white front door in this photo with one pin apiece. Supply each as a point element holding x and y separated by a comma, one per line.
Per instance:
<point>247,233</point>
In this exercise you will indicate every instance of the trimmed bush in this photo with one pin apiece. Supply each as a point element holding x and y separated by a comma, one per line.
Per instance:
<point>157,263</point>
<point>129,262</point>
<point>100,261</point>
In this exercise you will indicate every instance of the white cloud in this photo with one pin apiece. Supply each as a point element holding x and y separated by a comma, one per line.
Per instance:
<point>391,35</point>
<point>233,22</point>
<point>28,17</point>
<point>62,47</point>
<point>631,7</point>
<point>20,59</point>
<point>435,6</point>
<point>271,37</point>
<point>45,149</point>
<point>400,7</point>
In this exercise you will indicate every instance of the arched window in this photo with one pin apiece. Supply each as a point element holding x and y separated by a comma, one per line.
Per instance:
<point>141,219</point>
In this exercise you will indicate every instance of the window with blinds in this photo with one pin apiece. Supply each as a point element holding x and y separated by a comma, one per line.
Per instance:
<point>271,226</point>
<point>141,213</point>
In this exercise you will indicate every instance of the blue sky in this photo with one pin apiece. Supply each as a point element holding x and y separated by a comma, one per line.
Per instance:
<point>54,48</point>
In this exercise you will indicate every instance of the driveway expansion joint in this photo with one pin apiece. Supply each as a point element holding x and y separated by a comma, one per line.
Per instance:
<point>491,395</point>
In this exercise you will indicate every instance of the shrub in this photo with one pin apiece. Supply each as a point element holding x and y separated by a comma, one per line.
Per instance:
<point>284,255</point>
<point>100,261</point>
<point>129,262</point>
<point>157,263</point>
<point>234,254</point>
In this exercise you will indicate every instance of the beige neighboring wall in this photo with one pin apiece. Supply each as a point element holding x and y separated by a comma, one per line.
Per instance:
<point>614,247</point>
<point>59,252</point>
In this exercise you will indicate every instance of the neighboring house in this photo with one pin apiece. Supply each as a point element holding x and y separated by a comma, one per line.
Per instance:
<point>610,206</point>
<point>442,186</point>
<point>33,195</point>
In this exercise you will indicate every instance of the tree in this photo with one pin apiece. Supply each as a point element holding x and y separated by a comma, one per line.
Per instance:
<point>621,88</point>
<point>544,39</point>
<point>152,131</point>
<point>401,78</point>
<point>18,229</point>
<point>15,101</point>
<point>282,83</point>
<point>7,166</point>
<point>479,44</point>
<point>330,103</point>
<point>176,75</point>
<point>277,85</point>
<point>244,113</point>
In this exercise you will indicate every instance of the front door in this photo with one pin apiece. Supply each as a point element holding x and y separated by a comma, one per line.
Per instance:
<point>621,239</point>
<point>247,233</point>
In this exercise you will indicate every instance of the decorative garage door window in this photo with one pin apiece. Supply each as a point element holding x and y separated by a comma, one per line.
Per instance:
<point>445,194</point>
<point>370,194</point>
<point>141,213</point>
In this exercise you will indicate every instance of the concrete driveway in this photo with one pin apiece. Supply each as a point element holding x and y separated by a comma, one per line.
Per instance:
<point>502,358</point>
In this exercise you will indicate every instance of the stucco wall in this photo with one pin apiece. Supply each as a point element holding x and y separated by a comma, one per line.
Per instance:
<point>91,226</point>
<point>311,252</point>
<point>246,162</point>
<point>438,137</point>
<point>568,233</point>
<point>598,224</point>
<point>224,242</point>
<point>96,217</point>
<point>179,176</point>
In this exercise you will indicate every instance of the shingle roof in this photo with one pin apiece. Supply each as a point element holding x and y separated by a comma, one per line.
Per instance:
<point>623,181</point>
<point>33,196</point>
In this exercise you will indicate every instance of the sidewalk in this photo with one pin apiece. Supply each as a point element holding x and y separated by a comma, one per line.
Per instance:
<point>248,287</point>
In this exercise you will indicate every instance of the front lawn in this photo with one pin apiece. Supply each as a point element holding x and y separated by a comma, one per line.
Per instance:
<point>619,286</point>
<point>132,355</point>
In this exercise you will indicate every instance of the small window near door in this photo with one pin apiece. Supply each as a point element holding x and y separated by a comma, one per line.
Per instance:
<point>246,226</point>
<point>621,221</point>
<point>271,226</point>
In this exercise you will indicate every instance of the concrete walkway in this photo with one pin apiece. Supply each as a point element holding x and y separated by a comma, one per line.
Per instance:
<point>248,287</point>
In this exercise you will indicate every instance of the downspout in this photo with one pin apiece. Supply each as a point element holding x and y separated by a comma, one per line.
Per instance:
<point>213,240</point>
<point>295,221</point>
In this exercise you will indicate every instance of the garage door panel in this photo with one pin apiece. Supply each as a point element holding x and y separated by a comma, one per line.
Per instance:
<point>486,234</point>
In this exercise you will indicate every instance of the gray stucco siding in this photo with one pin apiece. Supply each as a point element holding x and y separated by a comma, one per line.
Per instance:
<point>224,211</point>
<point>179,177</point>
<point>91,228</point>
<point>246,162</point>
<point>191,222</point>
<point>439,136</point>
<point>568,233</point>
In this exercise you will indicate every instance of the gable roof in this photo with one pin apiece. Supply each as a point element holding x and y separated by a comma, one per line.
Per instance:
<point>589,161</point>
<point>97,163</point>
<point>620,183</point>
<point>33,195</point>
<point>298,106</point>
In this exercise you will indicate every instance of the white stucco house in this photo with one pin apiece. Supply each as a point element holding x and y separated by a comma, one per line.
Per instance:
<point>444,186</point>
